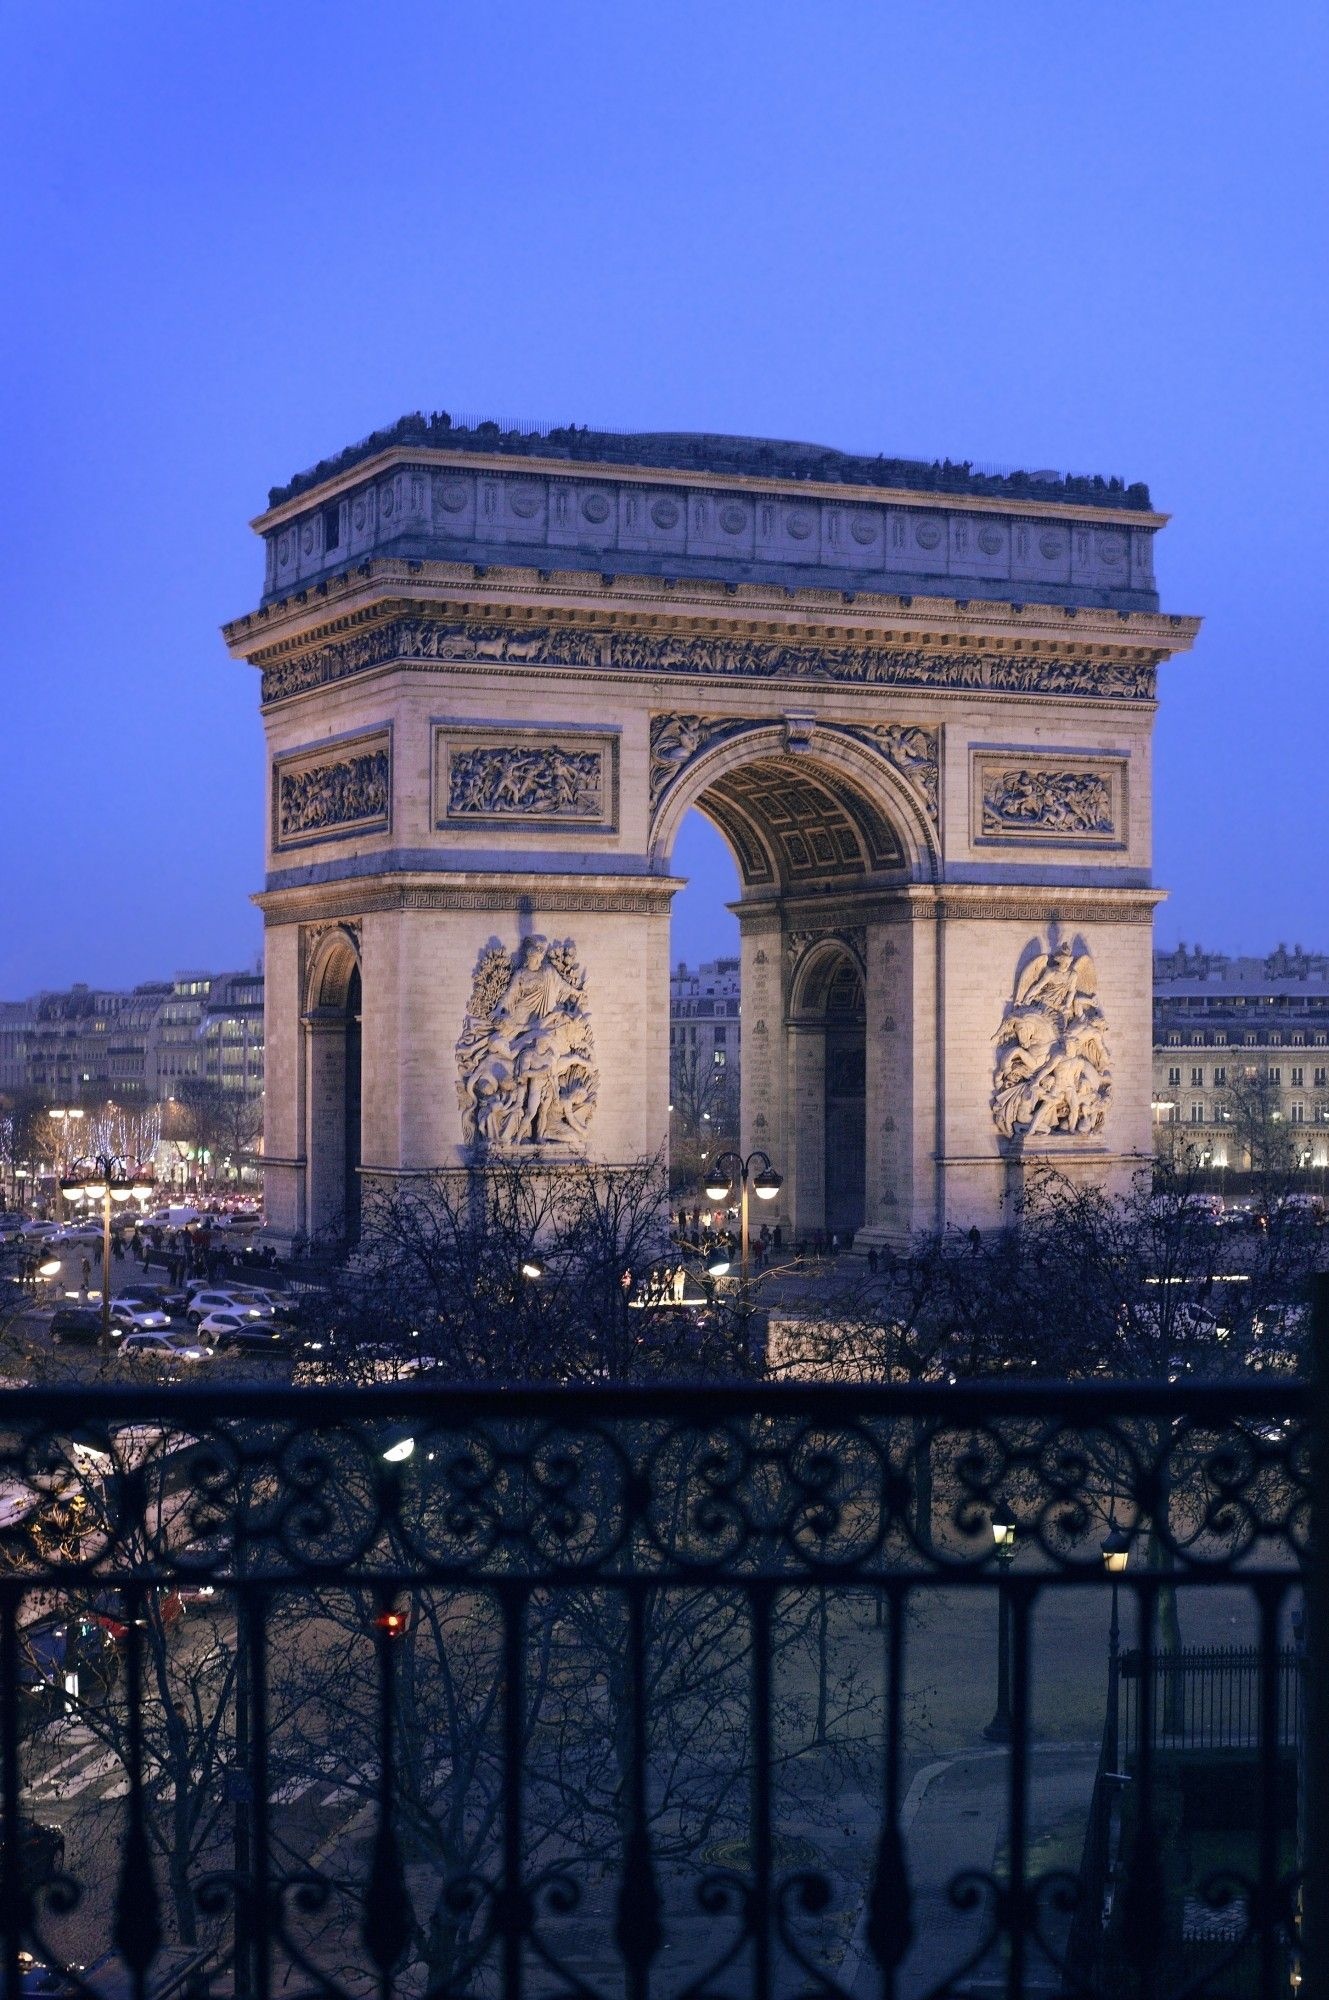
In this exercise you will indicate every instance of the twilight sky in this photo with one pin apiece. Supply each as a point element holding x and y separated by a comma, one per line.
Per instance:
<point>236,237</point>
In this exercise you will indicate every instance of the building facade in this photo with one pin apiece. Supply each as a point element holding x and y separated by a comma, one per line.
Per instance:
<point>705,1021</point>
<point>86,1044</point>
<point>497,671</point>
<point>1241,1058</point>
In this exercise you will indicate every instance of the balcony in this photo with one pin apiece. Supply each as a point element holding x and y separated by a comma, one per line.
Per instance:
<point>591,1692</point>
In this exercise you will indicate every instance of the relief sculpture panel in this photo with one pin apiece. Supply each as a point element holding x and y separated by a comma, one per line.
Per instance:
<point>320,797</point>
<point>526,1071</point>
<point>1051,1073</point>
<point>527,776</point>
<point>1027,796</point>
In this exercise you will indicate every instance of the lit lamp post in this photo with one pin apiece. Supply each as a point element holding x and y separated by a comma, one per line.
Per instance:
<point>110,1181</point>
<point>1004,1535</point>
<point>1116,1554</point>
<point>719,1184</point>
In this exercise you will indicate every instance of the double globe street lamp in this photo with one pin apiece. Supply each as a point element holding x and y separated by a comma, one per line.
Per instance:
<point>756,1174</point>
<point>112,1181</point>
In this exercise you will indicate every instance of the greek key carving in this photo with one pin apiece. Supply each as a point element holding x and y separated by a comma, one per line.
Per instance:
<point>610,650</point>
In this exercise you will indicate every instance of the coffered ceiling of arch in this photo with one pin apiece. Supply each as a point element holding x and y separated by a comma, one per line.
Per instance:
<point>791,825</point>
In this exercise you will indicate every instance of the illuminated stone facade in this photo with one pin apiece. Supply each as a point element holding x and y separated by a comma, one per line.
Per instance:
<point>498,670</point>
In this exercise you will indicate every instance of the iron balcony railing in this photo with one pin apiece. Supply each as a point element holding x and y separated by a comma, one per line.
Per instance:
<point>588,1692</point>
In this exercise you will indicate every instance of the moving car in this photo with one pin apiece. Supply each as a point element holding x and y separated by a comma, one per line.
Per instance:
<point>78,1324</point>
<point>138,1318</point>
<point>63,1660</point>
<point>230,1333</point>
<point>108,1609</point>
<point>243,1304</point>
<point>162,1347</point>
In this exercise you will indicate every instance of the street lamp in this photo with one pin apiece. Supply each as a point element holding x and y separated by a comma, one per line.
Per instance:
<point>1116,1554</point>
<point>110,1180</point>
<point>763,1179</point>
<point>717,1262</point>
<point>532,1267</point>
<point>1004,1534</point>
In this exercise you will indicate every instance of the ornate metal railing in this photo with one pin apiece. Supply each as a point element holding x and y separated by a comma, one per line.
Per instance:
<point>576,1692</point>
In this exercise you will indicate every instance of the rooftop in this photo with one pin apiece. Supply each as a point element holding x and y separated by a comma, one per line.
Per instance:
<point>708,451</point>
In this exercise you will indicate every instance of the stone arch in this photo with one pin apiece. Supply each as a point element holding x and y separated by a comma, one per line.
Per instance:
<point>860,787</point>
<point>826,1030</point>
<point>333,1083</point>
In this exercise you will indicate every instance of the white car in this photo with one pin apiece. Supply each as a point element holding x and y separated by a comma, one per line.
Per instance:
<point>239,1328</point>
<point>42,1231</point>
<point>162,1347</point>
<point>136,1318</point>
<point>209,1300</point>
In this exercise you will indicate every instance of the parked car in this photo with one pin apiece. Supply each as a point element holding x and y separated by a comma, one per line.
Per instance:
<point>162,1347</point>
<point>78,1324</point>
<point>135,1318</point>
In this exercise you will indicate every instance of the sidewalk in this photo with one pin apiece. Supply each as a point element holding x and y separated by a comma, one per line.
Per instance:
<point>954,1819</point>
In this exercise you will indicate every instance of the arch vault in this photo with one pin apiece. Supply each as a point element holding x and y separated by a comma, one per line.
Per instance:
<point>498,670</point>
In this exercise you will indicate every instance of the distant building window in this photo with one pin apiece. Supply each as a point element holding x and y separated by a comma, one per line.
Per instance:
<point>1249,1041</point>
<point>1220,1037</point>
<point>720,1034</point>
<point>1298,1077</point>
<point>1197,1114</point>
<point>1298,1114</point>
<point>1275,1039</point>
<point>718,1058</point>
<point>1321,1078</point>
<point>1320,1041</point>
<point>1197,1079</point>
<point>1174,1076</point>
<point>1220,1073</point>
<point>331,528</point>
<point>1275,1073</point>
<point>1298,1041</point>
<point>1174,1041</point>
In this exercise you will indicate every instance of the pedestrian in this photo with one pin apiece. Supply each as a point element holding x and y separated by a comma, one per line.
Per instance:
<point>872,1259</point>
<point>778,1239</point>
<point>975,1240</point>
<point>97,1249</point>
<point>118,1248</point>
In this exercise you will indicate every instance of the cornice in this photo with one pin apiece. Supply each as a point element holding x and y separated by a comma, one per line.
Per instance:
<point>555,895</point>
<point>385,587</point>
<point>538,466</point>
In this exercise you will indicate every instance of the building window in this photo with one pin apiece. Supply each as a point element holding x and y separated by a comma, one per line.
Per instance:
<point>1249,1041</point>
<point>1220,1038</point>
<point>1298,1041</point>
<point>1298,1077</point>
<point>1197,1114</point>
<point>1174,1041</point>
<point>1197,1079</point>
<point>718,1058</point>
<point>1298,1114</point>
<point>1174,1077</point>
<point>1220,1073</point>
<point>720,1034</point>
<point>1275,1073</point>
<point>1275,1040</point>
<point>1321,1040</point>
<point>1321,1078</point>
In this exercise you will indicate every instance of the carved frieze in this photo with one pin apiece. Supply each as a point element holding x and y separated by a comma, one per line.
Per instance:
<point>331,792</point>
<point>1051,1074</point>
<point>677,739</point>
<point>1062,798</point>
<point>537,778</point>
<point>430,640</point>
<point>527,1079</point>
<point>911,750</point>
<point>855,936</point>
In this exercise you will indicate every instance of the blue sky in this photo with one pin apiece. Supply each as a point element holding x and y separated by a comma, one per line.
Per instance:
<point>239,236</point>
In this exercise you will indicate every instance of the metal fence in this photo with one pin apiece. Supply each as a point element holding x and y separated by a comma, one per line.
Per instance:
<point>563,1656</point>
<point>1210,1698</point>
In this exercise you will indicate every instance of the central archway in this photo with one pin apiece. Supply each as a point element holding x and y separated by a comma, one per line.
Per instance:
<point>827,842</point>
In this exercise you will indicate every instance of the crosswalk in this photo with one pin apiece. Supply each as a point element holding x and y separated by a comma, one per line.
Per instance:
<point>86,1767</point>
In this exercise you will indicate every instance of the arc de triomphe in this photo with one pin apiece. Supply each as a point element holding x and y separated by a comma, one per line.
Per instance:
<point>499,668</point>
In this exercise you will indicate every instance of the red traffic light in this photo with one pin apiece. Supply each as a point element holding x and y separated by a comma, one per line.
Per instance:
<point>391,1622</point>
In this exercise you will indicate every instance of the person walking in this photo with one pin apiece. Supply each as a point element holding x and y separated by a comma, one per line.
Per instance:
<point>86,1270</point>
